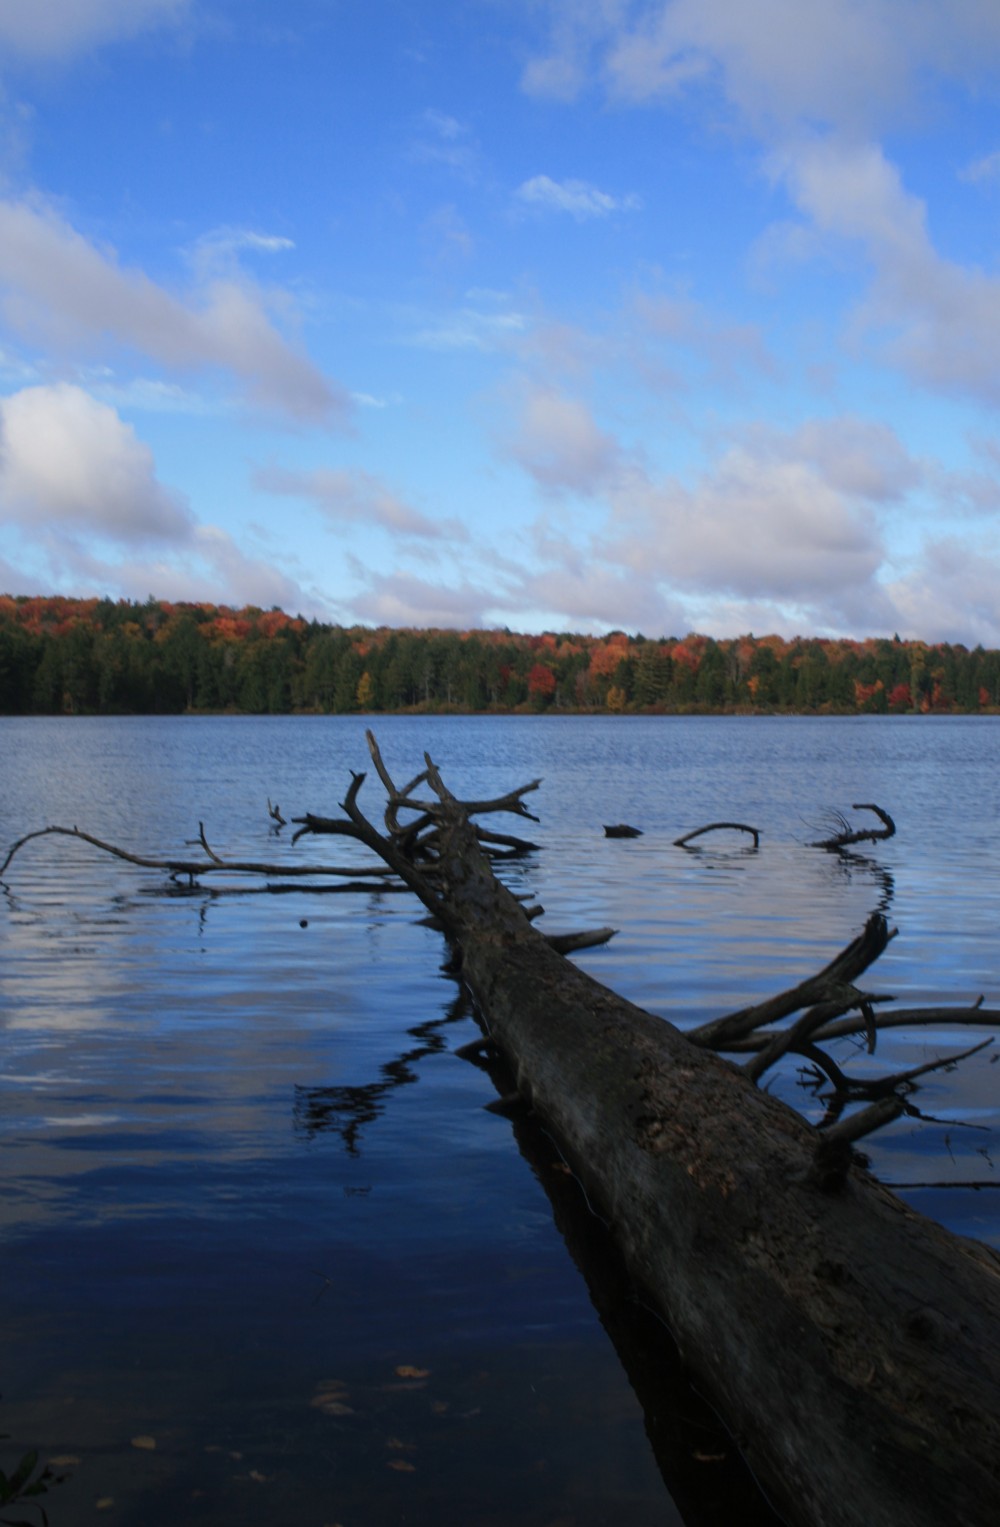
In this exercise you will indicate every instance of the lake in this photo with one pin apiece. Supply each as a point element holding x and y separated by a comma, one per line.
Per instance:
<point>266,1256</point>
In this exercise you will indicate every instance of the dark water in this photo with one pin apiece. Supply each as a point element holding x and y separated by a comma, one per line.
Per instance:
<point>251,1205</point>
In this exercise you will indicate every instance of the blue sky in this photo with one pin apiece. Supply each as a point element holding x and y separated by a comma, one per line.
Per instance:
<point>548,314</point>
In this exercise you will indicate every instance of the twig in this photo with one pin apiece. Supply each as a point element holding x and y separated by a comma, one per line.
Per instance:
<point>204,843</point>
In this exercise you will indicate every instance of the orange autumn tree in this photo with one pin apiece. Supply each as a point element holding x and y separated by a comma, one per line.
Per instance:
<point>541,683</point>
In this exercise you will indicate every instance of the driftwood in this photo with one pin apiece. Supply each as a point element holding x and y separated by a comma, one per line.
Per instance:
<point>851,1345</point>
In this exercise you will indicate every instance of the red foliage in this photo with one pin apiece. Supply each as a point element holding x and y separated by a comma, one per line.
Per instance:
<point>541,680</point>
<point>683,653</point>
<point>229,628</point>
<point>271,622</point>
<point>605,657</point>
<point>864,693</point>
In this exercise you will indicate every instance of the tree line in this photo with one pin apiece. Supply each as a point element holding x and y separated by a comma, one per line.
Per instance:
<point>104,657</point>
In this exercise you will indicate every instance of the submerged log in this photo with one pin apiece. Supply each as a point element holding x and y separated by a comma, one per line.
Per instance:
<point>851,1344</point>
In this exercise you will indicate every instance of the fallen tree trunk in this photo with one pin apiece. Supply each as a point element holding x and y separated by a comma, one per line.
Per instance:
<point>852,1345</point>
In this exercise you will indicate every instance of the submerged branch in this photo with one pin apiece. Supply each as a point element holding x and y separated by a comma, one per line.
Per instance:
<point>849,835</point>
<point>195,868</point>
<point>718,827</point>
<point>976,1016</point>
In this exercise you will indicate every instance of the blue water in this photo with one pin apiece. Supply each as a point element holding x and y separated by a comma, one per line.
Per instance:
<point>252,1207</point>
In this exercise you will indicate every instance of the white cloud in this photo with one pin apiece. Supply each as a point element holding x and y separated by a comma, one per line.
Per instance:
<point>589,595</point>
<point>233,577</point>
<point>59,286</point>
<point>220,249</point>
<point>557,440</point>
<point>755,526</point>
<point>369,400</point>
<point>816,81</point>
<point>985,168</point>
<point>354,497</point>
<point>56,29</point>
<point>561,72</point>
<point>69,461</point>
<point>951,594</point>
<point>445,141</point>
<point>724,347</point>
<point>576,197</point>
<point>784,60</point>
<point>80,496</point>
<point>937,320</point>
<point>211,569</point>
<point>860,458</point>
<point>398,599</point>
<point>852,65</point>
<point>780,520</point>
<point>470,329</point>
<point>149,395</point>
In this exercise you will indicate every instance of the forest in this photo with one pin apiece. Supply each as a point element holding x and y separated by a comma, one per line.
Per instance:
<point>62,656</point>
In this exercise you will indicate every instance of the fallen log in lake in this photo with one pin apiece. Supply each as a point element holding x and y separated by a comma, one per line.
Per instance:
<point>851,1345</point>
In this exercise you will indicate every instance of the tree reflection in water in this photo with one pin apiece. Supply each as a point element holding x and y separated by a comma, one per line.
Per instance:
<point>347,1110</point>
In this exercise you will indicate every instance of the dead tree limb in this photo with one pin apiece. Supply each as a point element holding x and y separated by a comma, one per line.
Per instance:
<point>848,835</point>
<point>719,827</point>
<point>196,868</point>
<point>895,1018</point>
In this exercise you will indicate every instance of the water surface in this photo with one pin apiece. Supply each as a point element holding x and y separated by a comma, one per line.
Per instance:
<point>251,1204</point>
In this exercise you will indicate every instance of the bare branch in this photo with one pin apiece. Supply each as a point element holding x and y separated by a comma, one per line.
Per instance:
<point>204,843</point>
<point>565,943</point>
<point>826,986</point>
<point>196,867</point>
<point>847,835</point>
<point>975,1016</point>
<point>805,1028</point>
<point>834,1155</point>
<point>866,1122</point>
<point>517,846</point>
<point>716,827</point>
<point>880,1086</point>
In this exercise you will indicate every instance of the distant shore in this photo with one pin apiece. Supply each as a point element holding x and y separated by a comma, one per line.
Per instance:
<point>61,656</point>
